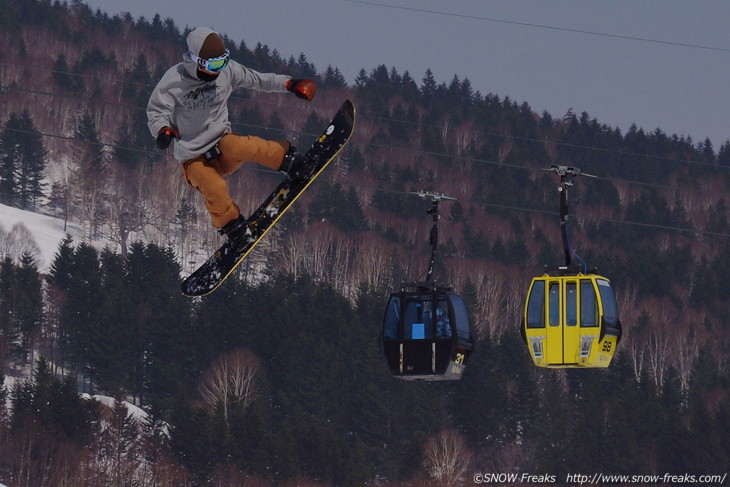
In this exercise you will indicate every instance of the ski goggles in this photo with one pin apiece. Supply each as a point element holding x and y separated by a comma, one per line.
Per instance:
<point>214,64</point>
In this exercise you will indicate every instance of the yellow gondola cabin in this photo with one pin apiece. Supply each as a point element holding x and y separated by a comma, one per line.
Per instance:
<point>571,317</point>
<point>571,321</point>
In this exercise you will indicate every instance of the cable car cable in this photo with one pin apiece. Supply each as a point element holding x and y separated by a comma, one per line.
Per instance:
<point>541,26</point>
<point>473,160</point>
<point>371,117</point>
<point>403,192</point>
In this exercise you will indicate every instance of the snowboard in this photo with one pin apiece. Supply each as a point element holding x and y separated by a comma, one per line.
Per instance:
<point>224,261</point>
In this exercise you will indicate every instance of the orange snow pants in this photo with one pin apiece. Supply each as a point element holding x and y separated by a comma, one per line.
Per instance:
<point>209,177</point>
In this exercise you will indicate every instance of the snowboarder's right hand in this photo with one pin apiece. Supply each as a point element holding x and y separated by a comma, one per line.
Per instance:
<point>303,88</point>
<point>165,136</point>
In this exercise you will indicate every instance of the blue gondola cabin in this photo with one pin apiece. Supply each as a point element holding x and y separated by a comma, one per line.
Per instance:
<point>426,334</point>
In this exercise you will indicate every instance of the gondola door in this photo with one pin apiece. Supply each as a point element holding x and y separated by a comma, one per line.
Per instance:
<point>553,346</point>
<point>563,342</point>
<point>571,322</point>
<point>419,347</point>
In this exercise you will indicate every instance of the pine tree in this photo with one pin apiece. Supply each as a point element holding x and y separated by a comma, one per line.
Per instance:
<point>74,415</point>
<point>155,440</point>
<point>9,155</point>
<point>53,407</point>
<point>723,155</point>
<point>22,162</point>
<point>251,437</point>
<point>79,315</point>
<point>90,157</point>
<point>456,213</point>
<point>342,209</point>
<point>90,177</point>
<point>28,303</point>
<point>115,342</point>
<point>428,88</point>
<point>159,324</point>
<point>361,79</point>
<point>4,413</point>
<point>59,275</point>
<point>8,285</point>
<point>125,147</point>
<point>192,439</point>
<point>32,164</point>
<point>139,80</point>
<point>62,76</point>
<point>310,130</point>
<point>333,78</point>
<point>551,424</point>
<point>121,439</point>
<point>275,129</point>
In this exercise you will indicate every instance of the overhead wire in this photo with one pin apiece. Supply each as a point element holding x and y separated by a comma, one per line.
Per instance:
<point>543,211</point>
<point>557,143</point>
<point>540,26</point>
<point>483,205</point>
<point>435,154</point>
<point>424,152</point>
<point>474,160</point>
<point>390,147</point>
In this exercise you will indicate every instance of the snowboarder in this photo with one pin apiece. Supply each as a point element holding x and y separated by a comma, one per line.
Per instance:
<point>189,106</point>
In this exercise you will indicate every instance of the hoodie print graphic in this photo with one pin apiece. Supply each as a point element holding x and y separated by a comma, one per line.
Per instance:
<point>204,97</point>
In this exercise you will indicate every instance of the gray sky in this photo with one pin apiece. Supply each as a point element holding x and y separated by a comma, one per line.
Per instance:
<point>553,54</point>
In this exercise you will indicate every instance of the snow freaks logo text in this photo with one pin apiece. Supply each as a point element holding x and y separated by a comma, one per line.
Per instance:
<point>599,479</point>
<point>513,478</point>
<point>203,97</point>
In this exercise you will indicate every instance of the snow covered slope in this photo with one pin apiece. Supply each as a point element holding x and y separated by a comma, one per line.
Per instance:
<point>47,232</point>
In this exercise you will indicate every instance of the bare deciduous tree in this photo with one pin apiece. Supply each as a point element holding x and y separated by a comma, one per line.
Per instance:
<point>628,310</point>
<point>18,242</point>
<point>230,380</point>
<point>371,264</point>
<point>635,348</point>
<point>447,457</point>
<point>658,347</point>
<point>492,296</point>
<point>687,346</point>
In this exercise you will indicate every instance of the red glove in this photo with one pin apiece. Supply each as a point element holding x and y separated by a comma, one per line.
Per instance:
<point>165,136</point>
<point>303,88</point>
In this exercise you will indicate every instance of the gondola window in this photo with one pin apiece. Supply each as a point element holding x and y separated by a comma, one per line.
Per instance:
<point>588,306</point>
<point>443,325</point>
<point>462,317</point>
<point>392,319</point>
<point>554,304</point>
<point>610,311</point>
<point>571,304</point>
<point>535,306</point>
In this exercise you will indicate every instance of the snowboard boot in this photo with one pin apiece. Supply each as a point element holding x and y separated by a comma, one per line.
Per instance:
<point>235,230</point>
<point>292,164</point>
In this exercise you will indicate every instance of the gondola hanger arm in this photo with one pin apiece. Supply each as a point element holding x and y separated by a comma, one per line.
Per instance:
<point>432,196</point>
<point>566,173</point>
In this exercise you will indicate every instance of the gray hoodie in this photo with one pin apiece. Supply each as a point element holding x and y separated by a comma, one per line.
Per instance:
<point>199,109</point>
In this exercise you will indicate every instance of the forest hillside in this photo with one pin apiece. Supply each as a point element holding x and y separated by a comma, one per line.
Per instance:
<point>302,316</point>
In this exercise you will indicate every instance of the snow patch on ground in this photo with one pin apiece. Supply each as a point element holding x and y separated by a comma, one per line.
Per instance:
<point>47,232</point>
<point>136,413</point>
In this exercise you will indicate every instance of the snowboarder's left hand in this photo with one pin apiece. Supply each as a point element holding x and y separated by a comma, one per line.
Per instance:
<point>303,88</point>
